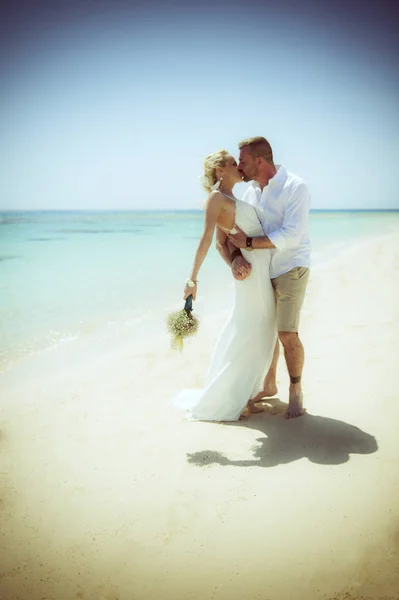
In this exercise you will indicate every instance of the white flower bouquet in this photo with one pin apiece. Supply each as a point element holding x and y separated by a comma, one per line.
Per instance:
<point>182,324</point>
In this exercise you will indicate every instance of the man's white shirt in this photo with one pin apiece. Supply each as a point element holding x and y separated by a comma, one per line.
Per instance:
<point>283,210</point>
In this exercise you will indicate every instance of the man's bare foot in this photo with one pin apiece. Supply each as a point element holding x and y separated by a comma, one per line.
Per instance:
<point>257,398</point>
<point>254,409</point>
<point>269,390</point>
<point>295,406</point>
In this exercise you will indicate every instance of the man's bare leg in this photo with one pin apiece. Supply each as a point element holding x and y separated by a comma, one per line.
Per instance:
<point>294,357</point>
<point>270,384</point>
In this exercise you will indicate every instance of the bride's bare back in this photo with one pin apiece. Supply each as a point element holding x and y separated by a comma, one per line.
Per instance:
<point>227,216</point>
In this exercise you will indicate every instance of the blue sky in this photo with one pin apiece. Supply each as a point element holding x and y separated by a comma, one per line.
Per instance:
<point>115,105</point>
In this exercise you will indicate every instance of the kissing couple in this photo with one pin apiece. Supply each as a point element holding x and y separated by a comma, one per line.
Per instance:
<point>264,239</point>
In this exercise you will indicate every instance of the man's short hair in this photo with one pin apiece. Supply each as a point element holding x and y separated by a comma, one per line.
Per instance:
<point>258,146</point>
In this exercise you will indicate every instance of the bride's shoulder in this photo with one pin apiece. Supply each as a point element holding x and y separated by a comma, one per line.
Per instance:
<point>215,194</point>
<point>214,198</point>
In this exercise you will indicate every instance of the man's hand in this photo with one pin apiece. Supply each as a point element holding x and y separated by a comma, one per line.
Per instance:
<point>239,239</point>
<point>241,268</point>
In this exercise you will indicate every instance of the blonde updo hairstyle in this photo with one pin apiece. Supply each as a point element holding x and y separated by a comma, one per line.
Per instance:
<point>211,163</point>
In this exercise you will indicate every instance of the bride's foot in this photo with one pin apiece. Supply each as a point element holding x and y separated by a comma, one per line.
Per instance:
<point>245,414</point>
<point>295,405</point>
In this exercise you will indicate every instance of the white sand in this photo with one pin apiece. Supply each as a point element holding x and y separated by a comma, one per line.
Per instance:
<point>109,494</point>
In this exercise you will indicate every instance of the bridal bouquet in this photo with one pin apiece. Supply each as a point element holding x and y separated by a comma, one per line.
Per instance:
<point>182,324</point>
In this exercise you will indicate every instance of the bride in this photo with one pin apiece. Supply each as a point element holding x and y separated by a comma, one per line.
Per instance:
<point>244,350</point>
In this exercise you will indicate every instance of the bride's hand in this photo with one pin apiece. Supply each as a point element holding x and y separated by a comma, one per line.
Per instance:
<point>188,291</point>
<point>241,268</point>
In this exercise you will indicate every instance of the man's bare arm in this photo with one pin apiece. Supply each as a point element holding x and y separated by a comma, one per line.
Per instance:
<point>232,256</point>
<point>239,240</point>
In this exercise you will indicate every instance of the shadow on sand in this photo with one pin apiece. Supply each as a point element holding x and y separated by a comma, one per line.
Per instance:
<point>319,439</point>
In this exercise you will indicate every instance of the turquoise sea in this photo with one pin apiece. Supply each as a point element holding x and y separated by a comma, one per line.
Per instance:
<point>64,274</point>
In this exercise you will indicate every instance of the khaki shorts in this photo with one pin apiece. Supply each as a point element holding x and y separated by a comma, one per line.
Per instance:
<point>289,291</point>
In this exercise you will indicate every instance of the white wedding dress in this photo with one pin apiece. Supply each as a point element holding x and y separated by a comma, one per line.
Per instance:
<point>244,350</point>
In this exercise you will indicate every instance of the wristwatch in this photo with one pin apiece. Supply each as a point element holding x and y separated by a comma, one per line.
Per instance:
<point>248,244</point>
<point>191,283</point>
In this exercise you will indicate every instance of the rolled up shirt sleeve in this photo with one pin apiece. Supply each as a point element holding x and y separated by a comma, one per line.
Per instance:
<point>295,217</point>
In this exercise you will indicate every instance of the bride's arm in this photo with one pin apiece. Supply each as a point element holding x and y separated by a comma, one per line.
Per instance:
<point>213,209</point>
<point>241,268</point>
<point>223,246</point>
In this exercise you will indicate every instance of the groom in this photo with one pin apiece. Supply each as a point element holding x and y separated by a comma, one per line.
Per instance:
<point>281,200</point>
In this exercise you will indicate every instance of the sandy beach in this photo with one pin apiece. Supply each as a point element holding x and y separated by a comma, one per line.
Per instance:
<point>109,493</point>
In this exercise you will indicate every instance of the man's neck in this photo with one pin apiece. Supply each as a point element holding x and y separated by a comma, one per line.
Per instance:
<point>264,177</point>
